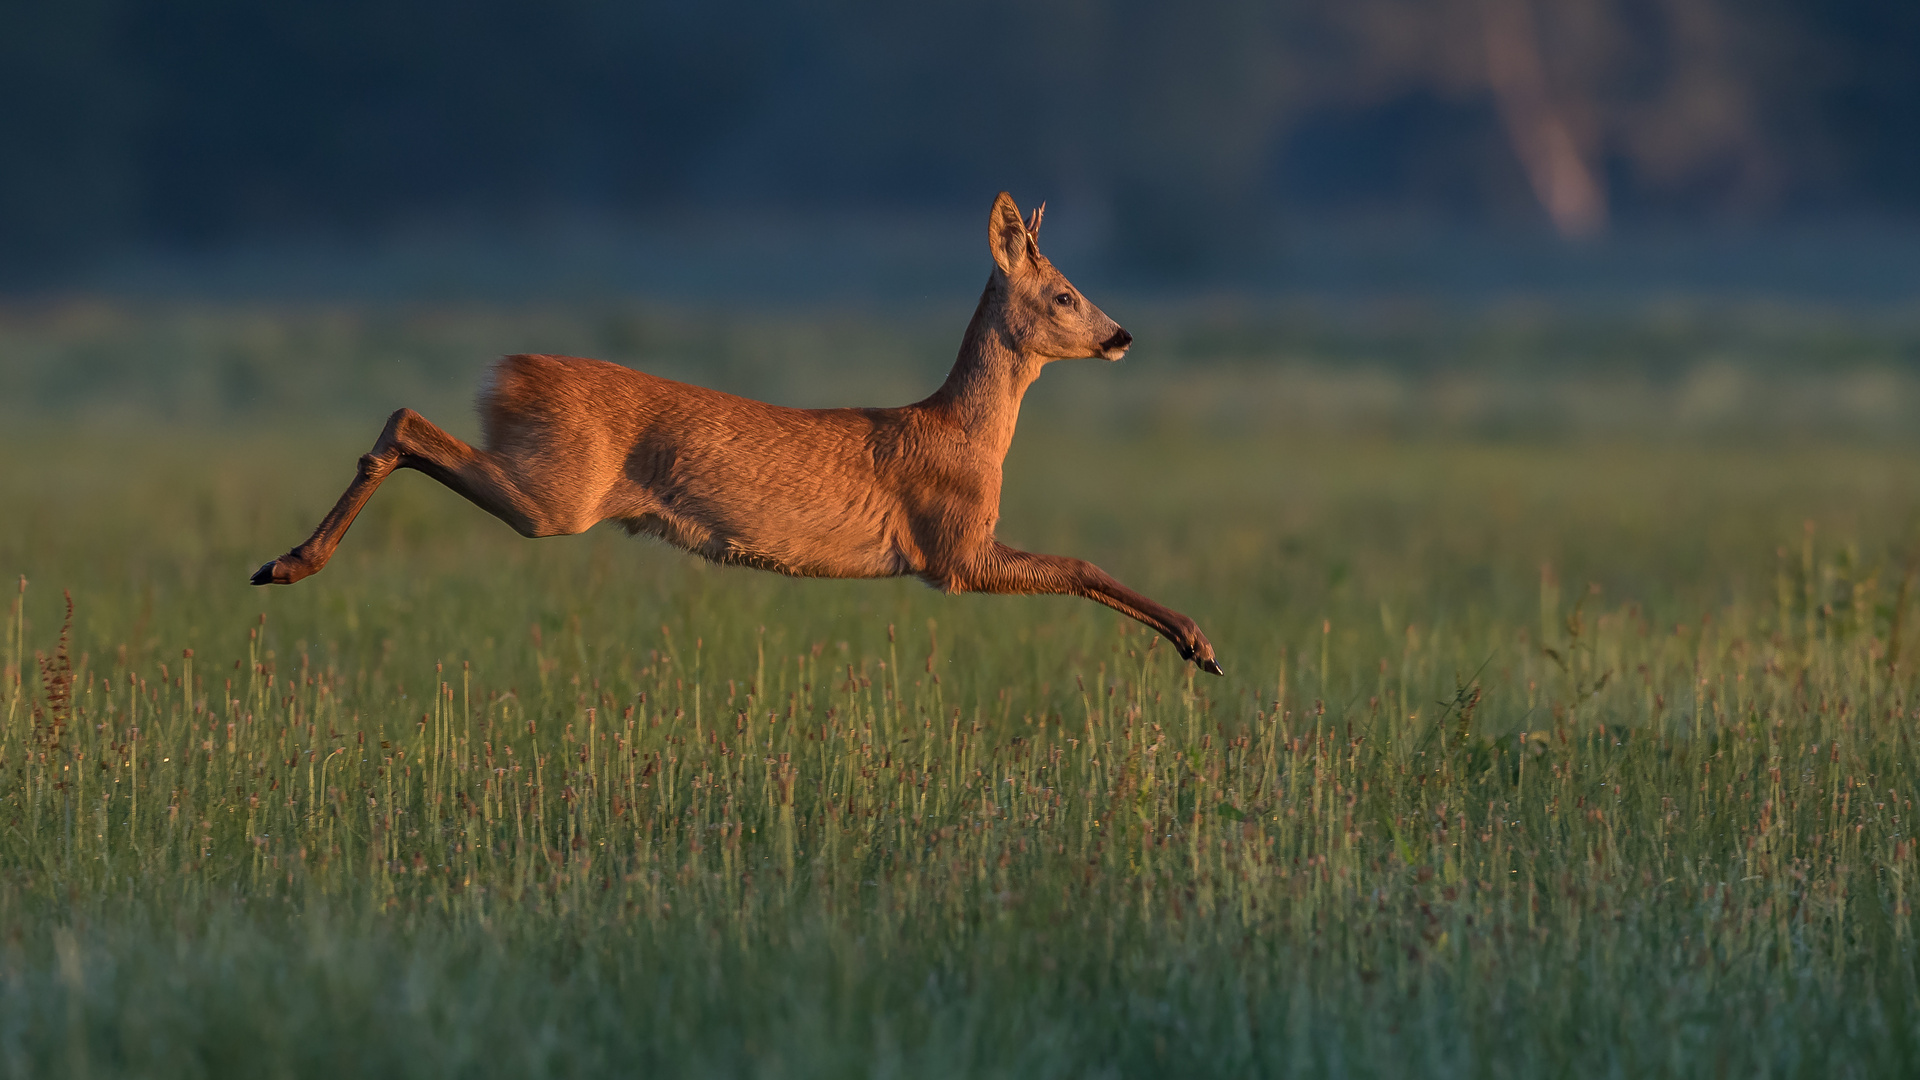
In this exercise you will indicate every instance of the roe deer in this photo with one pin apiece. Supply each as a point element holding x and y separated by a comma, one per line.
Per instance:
<point>847,493</point>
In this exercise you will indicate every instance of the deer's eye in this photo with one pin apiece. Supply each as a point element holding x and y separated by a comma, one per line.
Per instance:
<point>1065,299</point>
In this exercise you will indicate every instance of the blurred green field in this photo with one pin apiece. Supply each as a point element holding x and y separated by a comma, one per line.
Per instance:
<point>1568,726</point>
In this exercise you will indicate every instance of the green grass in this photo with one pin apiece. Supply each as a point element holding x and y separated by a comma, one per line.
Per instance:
<point>1536,757</point>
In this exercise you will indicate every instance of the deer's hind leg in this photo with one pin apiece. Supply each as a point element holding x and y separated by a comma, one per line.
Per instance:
<point>411,441</point>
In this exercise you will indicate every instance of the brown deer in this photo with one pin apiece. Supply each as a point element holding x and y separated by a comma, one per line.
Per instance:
<point>844,493</point>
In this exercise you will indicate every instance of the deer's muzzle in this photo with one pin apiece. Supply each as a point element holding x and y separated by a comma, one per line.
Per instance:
<point>1115,347</point>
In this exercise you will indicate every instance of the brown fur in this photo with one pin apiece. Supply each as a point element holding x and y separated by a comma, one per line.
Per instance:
<point>847,493</point>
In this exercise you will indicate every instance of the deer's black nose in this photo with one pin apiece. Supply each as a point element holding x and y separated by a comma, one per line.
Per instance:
<point>1120,340</point>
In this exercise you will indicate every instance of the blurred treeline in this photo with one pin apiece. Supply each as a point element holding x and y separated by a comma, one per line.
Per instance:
<point>1187,135</point>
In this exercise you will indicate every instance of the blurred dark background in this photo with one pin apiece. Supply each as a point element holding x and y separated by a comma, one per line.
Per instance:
<point>488,146</point>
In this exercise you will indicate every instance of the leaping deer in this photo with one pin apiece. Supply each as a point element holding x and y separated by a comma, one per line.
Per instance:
<point>840,493</point>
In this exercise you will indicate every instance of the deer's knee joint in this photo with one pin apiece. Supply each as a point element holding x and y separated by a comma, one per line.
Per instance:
<point>394,433</point>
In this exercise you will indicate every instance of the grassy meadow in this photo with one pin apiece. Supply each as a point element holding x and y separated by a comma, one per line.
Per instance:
<point>1568,728</point>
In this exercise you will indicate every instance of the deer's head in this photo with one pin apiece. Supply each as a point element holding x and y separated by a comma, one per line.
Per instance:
<point>1046,317</point>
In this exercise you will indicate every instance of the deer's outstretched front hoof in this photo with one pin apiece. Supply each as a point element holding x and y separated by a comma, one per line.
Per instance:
<point>284,570</point>
<point>1202,657</point>
<point>1197,648</point>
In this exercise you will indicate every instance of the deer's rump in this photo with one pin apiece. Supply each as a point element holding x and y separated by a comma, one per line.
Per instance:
<point>732,479</point>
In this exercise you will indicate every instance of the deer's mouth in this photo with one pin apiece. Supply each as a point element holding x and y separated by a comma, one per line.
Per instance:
<point>1116,346</point>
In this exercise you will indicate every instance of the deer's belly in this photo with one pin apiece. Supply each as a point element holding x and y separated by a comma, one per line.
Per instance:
<point>821,549</point>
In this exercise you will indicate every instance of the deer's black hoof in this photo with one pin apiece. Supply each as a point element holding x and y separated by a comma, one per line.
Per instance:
<point>281,571</point>
<point>1211,666</point>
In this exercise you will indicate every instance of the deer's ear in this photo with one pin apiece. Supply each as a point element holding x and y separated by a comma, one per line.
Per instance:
<point>1007,235</point>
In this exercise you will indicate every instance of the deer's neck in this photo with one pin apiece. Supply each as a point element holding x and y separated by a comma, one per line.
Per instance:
<point>983,391</point>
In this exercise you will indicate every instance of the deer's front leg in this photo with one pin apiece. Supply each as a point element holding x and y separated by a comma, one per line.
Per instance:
<point>1002,569</point>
